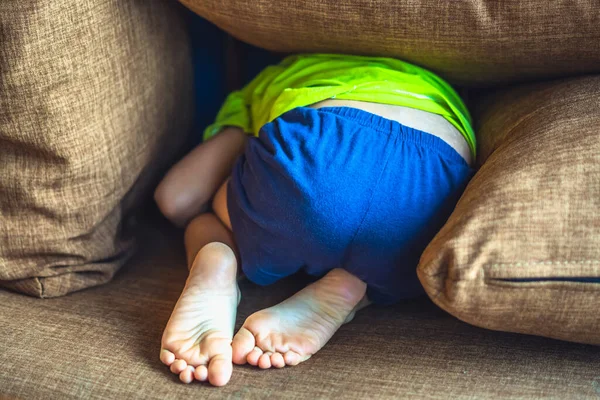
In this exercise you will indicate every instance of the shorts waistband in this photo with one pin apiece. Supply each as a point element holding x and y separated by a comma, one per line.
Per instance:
<point>387,126</point>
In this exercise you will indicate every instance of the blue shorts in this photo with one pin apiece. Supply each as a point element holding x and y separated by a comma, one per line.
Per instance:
<point>339,187</point>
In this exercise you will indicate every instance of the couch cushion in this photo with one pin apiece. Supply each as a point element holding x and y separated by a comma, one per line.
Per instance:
<point>477,42</point>
<point>521,251</point>
<point>94,97</point>
<point>103,343</point>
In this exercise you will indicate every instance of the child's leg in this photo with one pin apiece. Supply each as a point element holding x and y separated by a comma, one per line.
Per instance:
<point>298,327</point>
<point>188,187</point>
<point>196,343</point>
<point>202,230</point>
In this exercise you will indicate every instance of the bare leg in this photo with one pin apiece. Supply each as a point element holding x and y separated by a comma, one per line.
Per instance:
<point>205,229</point>
<point>196,343</point>
<point>187,188</point>
<point>295,329</point>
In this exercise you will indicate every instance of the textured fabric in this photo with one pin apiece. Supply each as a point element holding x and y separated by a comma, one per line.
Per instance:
<point>521,251</point>
<point>94,96</point>
<point>338,187</point>
<point>104,343</point>
<point>302,80</point>
<point>477,42</point>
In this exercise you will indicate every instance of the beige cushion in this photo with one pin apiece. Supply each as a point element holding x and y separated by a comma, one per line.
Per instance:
<point>94,97</point>
<point>526,233</point>
<point>103,344</point>
<point>476,42</point>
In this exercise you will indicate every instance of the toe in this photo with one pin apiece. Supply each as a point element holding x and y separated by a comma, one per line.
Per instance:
<point>178,366</point>
<point>220,365</point>
<point>219,370</point>
<point>187,375</point>
<point>291,358</point>
<point>264,361</point>
<point>201,373</point>
<point>167,357</point>
<point>254,356</point>
<point>243,343</point>
<point>277,360</point>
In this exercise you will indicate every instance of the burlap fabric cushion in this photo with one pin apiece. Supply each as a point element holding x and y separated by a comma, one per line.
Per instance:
<point>521,251</point>
<point>477,42</point>
<point>94,97</point>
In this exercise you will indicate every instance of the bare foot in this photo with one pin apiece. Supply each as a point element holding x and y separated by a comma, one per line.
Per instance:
<point>298,327</point>
<point>196,343</point>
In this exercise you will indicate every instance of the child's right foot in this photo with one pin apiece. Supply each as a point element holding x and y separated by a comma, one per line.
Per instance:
<point>196,343</point>
<point>295,329</point>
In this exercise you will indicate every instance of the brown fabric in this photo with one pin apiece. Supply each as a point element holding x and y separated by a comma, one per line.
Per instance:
<point>531,212</point>
<point>476,42</point>
<point>103,343</point>
<point>94,96</point>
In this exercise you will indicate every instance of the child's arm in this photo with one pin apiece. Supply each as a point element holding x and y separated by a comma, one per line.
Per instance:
<point>190,184</point>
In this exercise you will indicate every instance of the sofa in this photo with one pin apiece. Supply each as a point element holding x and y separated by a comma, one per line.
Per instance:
<point>98,99</point>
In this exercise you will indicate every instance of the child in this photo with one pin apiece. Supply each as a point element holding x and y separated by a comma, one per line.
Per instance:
<point>356,164</point>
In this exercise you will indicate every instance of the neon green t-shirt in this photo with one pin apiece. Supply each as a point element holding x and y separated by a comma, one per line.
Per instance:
<point>302,80</point>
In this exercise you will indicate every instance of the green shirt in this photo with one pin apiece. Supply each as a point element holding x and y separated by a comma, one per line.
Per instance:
<point>302,80</point>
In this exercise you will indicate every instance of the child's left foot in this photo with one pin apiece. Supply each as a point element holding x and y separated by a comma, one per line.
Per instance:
<point>298,327</point>
<point>196,343</point>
